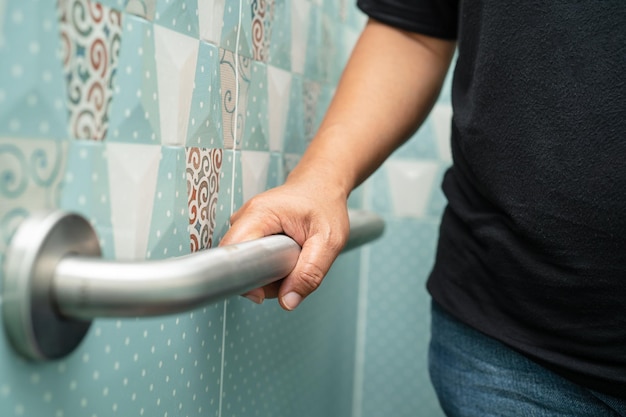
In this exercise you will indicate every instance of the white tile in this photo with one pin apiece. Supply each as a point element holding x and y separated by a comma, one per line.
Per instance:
<point>279,88</point>
<point>133,177</point>
<point>410,185</point>
<point>442,117</point>
<point>143,8</point>
<point>300,22</point>
<point>176,58</point>
<point>254,169</point>
<point>211,20</point>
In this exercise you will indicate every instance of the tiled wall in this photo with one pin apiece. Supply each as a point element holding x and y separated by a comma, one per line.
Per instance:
<point>156,119</point>
<point>394,319</point>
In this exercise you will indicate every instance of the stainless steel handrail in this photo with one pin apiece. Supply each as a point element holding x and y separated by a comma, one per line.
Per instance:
<point>55,281</point>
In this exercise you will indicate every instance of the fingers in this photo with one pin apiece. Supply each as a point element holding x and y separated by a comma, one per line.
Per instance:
<point>317,255</point>
<point>320,228</point>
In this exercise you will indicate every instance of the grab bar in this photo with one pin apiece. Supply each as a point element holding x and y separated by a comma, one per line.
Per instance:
<point>55,282</point>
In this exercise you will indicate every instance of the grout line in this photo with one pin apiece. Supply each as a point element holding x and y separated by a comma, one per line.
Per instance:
<point>361,327</point>
<point>361,323</point>
<point>222,361</point>
<point>232,195</point>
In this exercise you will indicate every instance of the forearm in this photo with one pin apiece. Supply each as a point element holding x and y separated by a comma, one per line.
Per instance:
<point>386,91</point>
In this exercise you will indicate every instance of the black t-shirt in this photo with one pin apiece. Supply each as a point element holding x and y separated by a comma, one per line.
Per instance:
<point>532,245</point>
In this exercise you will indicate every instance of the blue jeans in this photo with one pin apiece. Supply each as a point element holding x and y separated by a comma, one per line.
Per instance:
<point>477,376</point>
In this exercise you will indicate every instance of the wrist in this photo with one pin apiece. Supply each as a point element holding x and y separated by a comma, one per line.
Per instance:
<point>322,176</point>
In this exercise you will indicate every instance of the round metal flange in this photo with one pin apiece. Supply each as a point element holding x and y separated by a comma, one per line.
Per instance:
<point>31,319</point>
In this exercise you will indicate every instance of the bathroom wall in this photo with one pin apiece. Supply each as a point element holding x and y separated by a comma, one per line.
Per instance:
<point>394,307</point>
<point>156,119</point>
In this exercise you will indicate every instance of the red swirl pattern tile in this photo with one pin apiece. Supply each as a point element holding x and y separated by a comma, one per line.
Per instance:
<point>262,14</point>
<point>91,38</point>
<point>203,180</point>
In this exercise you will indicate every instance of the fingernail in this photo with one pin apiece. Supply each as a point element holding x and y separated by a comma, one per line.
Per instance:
<point>254,298</point>
<point>291,300</point>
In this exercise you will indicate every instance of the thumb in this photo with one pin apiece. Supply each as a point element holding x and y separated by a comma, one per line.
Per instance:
<point>316,258</point>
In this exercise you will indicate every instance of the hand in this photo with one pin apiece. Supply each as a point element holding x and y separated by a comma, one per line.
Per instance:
<point>308,214</point>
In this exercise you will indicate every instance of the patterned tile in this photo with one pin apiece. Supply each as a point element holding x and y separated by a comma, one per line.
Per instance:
<point>235,81</point>
<point>262,19</point>
<point>91,37</point>
<point>203,173</point>
<point>31,174</point>
<point>201,105</point>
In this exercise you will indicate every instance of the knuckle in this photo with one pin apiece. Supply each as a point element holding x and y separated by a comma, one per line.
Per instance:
<point>310,278</point>
<point>335,241</point>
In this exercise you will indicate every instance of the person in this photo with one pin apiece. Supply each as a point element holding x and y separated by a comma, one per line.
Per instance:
<point>529,281</point>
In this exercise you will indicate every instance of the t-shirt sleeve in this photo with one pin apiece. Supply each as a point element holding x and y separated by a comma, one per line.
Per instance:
<point>437,18</point>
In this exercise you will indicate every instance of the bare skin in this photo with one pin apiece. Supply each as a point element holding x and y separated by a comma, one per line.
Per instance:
<point>386,91</point>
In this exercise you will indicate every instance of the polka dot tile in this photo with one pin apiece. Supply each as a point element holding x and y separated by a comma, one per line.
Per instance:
<point>237,182</point>
<point>174,66</point>
<point>89,194</point>
<point>268,349</point>
<point>205,118</point>
<point>256,130</point>
<point>276,173</point>
<point>395,376</point>
<point>237,28</point>
<point>135,116</point>
<point>162,366</point>
<point>32,100</point>
<point>180,15</point>
<point>280,46</point>
<point>170,218</point>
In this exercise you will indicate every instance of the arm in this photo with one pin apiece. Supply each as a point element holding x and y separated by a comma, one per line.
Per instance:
<point>386,91</point>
